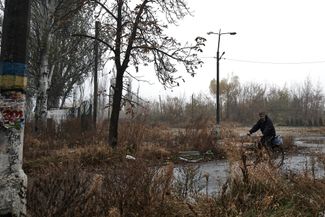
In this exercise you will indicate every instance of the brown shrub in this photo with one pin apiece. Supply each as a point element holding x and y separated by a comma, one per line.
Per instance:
<point>63,191</point>
<point>288,143</point>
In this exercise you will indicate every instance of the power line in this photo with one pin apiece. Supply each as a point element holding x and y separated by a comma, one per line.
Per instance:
<point>268,62</point>
<point>275,63</point>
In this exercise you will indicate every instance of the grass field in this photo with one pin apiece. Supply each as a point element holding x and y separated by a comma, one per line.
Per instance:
<point>74,173</point>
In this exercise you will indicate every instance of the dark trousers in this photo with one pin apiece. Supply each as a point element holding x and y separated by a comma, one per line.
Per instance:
<point>267,140</point>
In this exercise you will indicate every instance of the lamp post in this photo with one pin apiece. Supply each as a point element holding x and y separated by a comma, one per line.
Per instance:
<point>218,57</point>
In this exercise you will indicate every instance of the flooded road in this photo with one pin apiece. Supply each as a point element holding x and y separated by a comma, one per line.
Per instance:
<point>217,171</point>
<point>315,144</point>
<point>301,163</point>
<point>306,160</point>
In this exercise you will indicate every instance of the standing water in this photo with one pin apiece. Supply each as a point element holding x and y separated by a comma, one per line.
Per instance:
<point>219,171</point>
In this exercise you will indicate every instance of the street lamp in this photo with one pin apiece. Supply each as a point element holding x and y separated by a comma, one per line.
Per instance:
<point>218,57</point>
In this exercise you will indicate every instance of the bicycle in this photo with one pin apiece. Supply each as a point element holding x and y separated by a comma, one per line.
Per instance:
<point>273,153</point>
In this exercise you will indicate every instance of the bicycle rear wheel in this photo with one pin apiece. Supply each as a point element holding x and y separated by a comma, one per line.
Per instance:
<point>259,154</point>
<point>276,154</point>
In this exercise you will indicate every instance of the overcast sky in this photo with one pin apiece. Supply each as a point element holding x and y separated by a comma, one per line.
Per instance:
<point>277,42</point>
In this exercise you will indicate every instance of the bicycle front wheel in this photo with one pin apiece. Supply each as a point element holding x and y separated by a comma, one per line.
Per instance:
<point>276,154</point>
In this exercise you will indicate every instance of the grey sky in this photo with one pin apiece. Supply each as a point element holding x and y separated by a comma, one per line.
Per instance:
<point>279,39</point>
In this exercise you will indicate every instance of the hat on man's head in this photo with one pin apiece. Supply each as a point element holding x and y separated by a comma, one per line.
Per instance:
<point>262,114</point>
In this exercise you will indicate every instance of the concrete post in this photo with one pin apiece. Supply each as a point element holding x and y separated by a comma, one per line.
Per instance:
<point>13,81</point>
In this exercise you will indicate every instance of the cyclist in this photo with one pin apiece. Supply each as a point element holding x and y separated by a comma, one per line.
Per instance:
<point>266,126</point>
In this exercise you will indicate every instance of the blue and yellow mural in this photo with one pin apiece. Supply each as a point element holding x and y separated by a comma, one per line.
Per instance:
<point>13,81</point>
<point>13,76</point>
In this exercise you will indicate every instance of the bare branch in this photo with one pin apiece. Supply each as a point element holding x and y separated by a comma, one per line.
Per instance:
<point>105,8</point>
<point>137,79</point>
<point>98,39</point>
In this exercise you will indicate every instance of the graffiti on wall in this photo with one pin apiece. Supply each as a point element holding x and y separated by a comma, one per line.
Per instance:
<point>12,110</point>
<point>13,81</point>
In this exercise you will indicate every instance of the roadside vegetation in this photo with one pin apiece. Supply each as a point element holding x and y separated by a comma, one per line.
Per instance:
<point>72,172</point>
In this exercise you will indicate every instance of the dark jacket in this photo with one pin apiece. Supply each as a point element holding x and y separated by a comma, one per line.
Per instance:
<point>266,127</point>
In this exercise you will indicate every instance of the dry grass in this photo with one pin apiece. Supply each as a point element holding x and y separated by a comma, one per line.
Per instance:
<point>261,190</point>
<point>152,151</point>
<point>79,175</point>
<point>269,193</point>
<point>162,143</point>
<point>127,189</point>
<point>123,188</point>
<point>69,142</point>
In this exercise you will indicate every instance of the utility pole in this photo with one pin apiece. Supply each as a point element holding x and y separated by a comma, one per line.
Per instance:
<point>97,26</point>
<point>218,87</point>
<point>13,81</point>
<point>218,57</point>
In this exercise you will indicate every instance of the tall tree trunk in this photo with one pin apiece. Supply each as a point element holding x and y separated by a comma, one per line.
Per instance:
<point>97,27</point>
<point>116,107</point>
<point>42,96</point>
<point>13,81</point>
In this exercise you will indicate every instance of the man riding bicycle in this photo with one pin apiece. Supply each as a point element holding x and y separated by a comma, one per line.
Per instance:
<point>266,126</point>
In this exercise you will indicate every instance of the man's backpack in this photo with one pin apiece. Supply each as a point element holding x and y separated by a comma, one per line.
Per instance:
<point>277,140</point>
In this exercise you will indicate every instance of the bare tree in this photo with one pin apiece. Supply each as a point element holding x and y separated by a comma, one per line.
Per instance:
<point>312,100</point>
<point>278,103</point>
<point>48,18</point>
<point>134,33</point>
<point>229,91</point>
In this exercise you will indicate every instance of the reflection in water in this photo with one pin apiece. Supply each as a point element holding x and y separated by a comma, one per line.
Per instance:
<point>219,171</point>
<point>312,143</point>
<point>302,163</point>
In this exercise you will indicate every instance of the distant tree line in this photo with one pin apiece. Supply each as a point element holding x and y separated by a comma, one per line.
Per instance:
<point>178,111</point>
<point>301,105</point>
